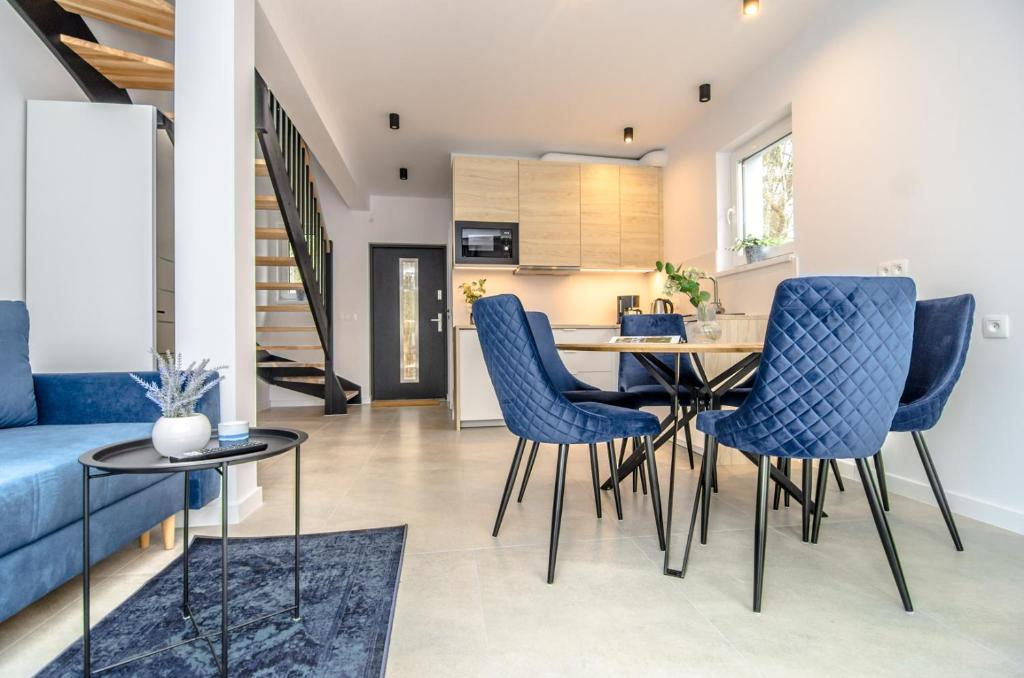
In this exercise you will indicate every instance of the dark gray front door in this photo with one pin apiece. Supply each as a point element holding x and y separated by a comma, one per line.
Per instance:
<point>409,324</point>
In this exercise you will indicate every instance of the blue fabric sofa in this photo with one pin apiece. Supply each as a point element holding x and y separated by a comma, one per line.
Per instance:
<point>41,479</point>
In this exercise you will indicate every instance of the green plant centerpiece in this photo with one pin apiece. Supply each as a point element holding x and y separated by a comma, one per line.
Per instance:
<point>180,428</point>
<point>473,291</point>
<point>686,281</point>
<point>753,246</point>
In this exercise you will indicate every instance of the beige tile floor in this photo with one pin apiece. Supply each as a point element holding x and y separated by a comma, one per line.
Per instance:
<point>472,605</point>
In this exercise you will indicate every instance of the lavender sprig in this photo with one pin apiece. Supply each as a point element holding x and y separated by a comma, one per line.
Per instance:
<point>180,389</point>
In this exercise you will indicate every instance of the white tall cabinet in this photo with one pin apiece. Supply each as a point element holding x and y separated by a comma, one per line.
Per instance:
<point>91,237</point>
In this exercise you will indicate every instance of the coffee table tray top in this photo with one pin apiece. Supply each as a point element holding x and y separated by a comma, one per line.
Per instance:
<point>138,456</point>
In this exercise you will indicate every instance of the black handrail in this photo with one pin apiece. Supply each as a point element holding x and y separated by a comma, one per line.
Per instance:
<point>288,166</point>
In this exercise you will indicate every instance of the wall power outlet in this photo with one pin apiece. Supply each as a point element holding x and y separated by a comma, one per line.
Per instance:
<point>894,267</point>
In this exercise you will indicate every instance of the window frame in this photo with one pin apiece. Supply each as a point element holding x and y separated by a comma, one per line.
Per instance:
<point>734,212</point>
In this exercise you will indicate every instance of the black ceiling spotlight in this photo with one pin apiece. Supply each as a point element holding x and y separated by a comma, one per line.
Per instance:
<point>403,173</point>
<point>705,93</point>
<point>393,119</point>
<point>627,135</point>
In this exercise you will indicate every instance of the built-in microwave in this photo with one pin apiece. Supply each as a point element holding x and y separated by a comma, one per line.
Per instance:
<point>483,242</point>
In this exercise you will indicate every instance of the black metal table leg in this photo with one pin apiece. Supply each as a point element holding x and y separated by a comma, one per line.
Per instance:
<point>296,616</point>
<point>224,569</point>
<point>86,649</point>
<point>186,611</point>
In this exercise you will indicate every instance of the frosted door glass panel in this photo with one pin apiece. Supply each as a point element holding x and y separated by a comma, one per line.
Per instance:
<point>409,319</point>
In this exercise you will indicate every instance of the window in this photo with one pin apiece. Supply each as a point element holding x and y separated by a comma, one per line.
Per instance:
<point>409,318</point>
<point>762,190</point>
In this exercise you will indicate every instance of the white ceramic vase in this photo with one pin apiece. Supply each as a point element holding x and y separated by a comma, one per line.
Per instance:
<point>173,436</point>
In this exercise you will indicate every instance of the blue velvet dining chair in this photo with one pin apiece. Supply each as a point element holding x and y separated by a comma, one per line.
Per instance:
<point>575,391</point>
<point>942,335</point>
<point>635,379</point>
<point>535,410</point>
<point>835,360</point>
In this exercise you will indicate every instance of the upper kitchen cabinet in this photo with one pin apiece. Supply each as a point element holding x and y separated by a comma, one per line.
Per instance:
<point>640,215</point>
<point>549,213</point>
<point>485,189</point>
<point>599,216</point>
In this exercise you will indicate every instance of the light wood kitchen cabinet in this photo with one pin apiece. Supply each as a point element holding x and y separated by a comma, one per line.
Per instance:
<point>640,216</point>
<point>549,213</point>
<point>599,216</point>
<point>485,189</point>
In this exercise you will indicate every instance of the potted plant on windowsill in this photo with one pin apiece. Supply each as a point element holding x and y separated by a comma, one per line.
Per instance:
<point>473,291</point>
<point>180,429</point>
<point>686,281</point>
<point>753,247</point>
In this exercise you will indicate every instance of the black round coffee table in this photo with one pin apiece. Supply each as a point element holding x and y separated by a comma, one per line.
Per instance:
<point>139,456</point>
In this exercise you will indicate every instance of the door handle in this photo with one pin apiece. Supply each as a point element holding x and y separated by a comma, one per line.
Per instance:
<point>438,320</point>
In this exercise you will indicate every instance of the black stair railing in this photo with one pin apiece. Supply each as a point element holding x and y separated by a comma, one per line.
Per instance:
<point>288,166</point>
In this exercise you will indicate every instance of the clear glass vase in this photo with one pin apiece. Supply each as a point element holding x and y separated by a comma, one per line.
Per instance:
<point>707,322</point>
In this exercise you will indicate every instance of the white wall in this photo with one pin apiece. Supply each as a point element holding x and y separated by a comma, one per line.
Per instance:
<point>908,138</point>
<point>27,71</point>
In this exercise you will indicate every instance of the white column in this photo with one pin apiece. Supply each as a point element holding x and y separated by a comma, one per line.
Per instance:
<point>214,180</point>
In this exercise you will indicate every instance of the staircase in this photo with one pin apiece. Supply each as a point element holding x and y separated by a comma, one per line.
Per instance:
<point>106,73</point>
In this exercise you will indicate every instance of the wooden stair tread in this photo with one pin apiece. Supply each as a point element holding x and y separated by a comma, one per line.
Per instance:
<point>266,202</point>
<point>275,261</point>
<point>127,70</point>
<point>155,17</point>
<point>288,347</point>
<point>285,328</point>
<point>285,363</point>
<point>302,380</point>
<point>283,308</point>
<point>271,234</point>
<point>351,395</point>
<point>261,168</point>
<point>279,286</point>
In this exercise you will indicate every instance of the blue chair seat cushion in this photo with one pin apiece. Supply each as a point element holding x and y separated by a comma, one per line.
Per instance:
<point>616,398</point>
<point>655,395</point>
<point>41,479</point>
<point>734,397</point>
<point>623,423</point>
<point>919,415</point>
<point>709,421</point>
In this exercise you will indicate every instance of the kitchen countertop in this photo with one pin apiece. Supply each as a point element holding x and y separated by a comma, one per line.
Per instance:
<point>558,326</point>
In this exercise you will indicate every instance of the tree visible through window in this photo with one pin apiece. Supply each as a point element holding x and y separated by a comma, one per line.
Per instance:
<point>767,192</point>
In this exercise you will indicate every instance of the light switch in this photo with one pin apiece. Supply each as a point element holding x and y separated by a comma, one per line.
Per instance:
<point>995,327</point>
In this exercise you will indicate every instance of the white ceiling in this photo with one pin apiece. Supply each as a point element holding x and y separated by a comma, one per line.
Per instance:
<point>516,77</point>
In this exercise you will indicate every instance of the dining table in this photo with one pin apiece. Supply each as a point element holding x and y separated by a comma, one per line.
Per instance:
<point>663,361</point>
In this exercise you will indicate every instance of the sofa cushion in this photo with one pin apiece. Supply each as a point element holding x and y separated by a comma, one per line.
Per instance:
<point>17,397</point>
<point>41,479</point>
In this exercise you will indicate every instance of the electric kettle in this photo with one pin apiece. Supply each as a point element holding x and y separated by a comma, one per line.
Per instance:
<point>662,306</point>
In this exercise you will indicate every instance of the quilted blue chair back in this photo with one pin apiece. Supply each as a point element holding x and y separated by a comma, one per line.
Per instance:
<point>540,326</point>
<point>942,335</point>
<point>631,372</point>
<point>531,405</point>
<point>835,361</point>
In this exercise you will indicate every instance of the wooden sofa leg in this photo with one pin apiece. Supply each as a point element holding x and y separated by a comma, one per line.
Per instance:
<point>167,529</point>
<point>144,540</point>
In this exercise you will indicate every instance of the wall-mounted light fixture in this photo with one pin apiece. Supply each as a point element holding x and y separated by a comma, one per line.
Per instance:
<point>751,7</point>
<point>704,93</point>
<point>393,119</point>
<point>403,173</point>
<point>627,135</point>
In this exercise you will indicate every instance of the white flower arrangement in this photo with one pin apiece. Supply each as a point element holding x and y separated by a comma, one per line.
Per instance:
<point>180,389</point>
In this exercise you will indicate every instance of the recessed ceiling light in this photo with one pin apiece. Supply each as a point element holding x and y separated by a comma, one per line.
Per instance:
<point>751,7</point>
<point>627,135</point>
<point>393,119</point>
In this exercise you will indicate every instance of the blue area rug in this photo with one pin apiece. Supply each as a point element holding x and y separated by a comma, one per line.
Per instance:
<point>349,583</point>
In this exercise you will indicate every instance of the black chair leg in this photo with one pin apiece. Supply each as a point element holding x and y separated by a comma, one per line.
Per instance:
<point>819,497</point>
<point>940,495</point>
<point>528,471</point>
<point>640,472</point>
<point>805,506</point>
<point>593,476</point>
<point>711,454</point>
<point>636,471</point>
<point>689,442</point>
<point>835,471</point>
<point>652,474</point>
<point>509,485</point>
<point>880,472</point>
<point>556,509</point>
<point>883,532</point>
<point>760,528</point>
<point>789,474</point>
<point>615,479</point>
<point>695,509</point>
<point>781,465</point>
